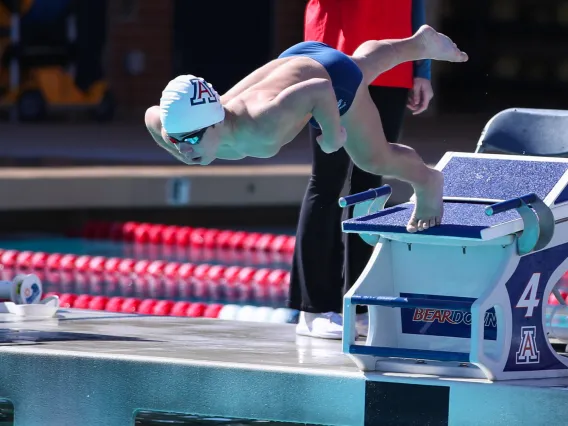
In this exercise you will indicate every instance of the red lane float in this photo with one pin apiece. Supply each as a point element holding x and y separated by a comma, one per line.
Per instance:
<point>139,306</point>
<point>154,307</point>
<point>185,236</point>
<point>9,258</point>
<point>92,276</point>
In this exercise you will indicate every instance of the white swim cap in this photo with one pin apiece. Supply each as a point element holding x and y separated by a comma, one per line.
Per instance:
<point>189,103</point>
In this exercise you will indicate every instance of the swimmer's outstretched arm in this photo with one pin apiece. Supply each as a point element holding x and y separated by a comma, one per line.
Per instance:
<point>315,97</point>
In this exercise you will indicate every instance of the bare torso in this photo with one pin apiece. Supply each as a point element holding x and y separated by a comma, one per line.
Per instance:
<point>262,135</point>
<point>268,109</point>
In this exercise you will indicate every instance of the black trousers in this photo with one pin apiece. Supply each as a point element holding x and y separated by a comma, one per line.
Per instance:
<point>327,262</point>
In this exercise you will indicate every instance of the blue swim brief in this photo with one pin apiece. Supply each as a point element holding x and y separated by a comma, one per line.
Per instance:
<point>344,73</point>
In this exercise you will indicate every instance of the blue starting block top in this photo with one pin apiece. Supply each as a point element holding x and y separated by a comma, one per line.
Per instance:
<point>472,182</point>
<point>461,220</point>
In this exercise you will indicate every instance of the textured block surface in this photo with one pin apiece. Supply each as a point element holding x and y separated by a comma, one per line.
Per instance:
<point>500,179</point>
<point>460,220</point>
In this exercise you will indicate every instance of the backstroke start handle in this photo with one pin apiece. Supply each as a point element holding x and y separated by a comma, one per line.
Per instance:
<point>370,194</point>
<point>513,203</point>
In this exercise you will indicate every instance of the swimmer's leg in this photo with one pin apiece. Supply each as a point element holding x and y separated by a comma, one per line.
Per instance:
<point>375,57</point>
<point>368,148</point>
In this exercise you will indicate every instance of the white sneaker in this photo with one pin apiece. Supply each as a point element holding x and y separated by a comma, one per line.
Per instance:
<point>328,325</point>
<point>362,324</point>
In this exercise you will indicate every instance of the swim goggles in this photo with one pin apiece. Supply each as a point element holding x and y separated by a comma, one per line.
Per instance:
<point>193,138</point>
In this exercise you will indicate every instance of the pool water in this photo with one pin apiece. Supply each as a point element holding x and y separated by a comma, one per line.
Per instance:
<point>214,275</point>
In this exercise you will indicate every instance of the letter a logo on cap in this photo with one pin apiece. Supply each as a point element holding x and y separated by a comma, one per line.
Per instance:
<point>201,93</point>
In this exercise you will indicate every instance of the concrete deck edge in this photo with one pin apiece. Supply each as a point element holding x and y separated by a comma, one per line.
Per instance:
<point>158,186</point>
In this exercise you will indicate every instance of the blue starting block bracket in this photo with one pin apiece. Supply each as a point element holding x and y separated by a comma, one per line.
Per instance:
<point>538,221</point>
<point>468,298</point>
<point>365,203</point>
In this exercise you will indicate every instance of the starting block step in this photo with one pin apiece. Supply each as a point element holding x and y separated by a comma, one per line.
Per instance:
<point>462,299</point>
<point>406,302</point>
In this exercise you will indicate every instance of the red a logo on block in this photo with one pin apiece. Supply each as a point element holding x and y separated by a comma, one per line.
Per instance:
<point>528,352</point>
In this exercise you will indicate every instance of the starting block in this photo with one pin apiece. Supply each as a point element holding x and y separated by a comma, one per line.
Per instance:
<point>468,298</point>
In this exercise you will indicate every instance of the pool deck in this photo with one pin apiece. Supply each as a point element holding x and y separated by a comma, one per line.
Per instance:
<point>93,368</point>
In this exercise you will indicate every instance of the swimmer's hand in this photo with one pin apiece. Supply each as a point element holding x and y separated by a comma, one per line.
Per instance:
<point>334,143</point>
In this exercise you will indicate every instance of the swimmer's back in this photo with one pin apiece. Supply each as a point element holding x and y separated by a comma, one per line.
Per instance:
<point>277,75</point>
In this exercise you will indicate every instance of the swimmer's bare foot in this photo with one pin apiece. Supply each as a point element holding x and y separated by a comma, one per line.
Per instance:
<point>437,46</point>
<point>429,202</point>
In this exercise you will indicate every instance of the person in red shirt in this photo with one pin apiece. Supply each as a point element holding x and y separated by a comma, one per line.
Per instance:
<point>324,267</point>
